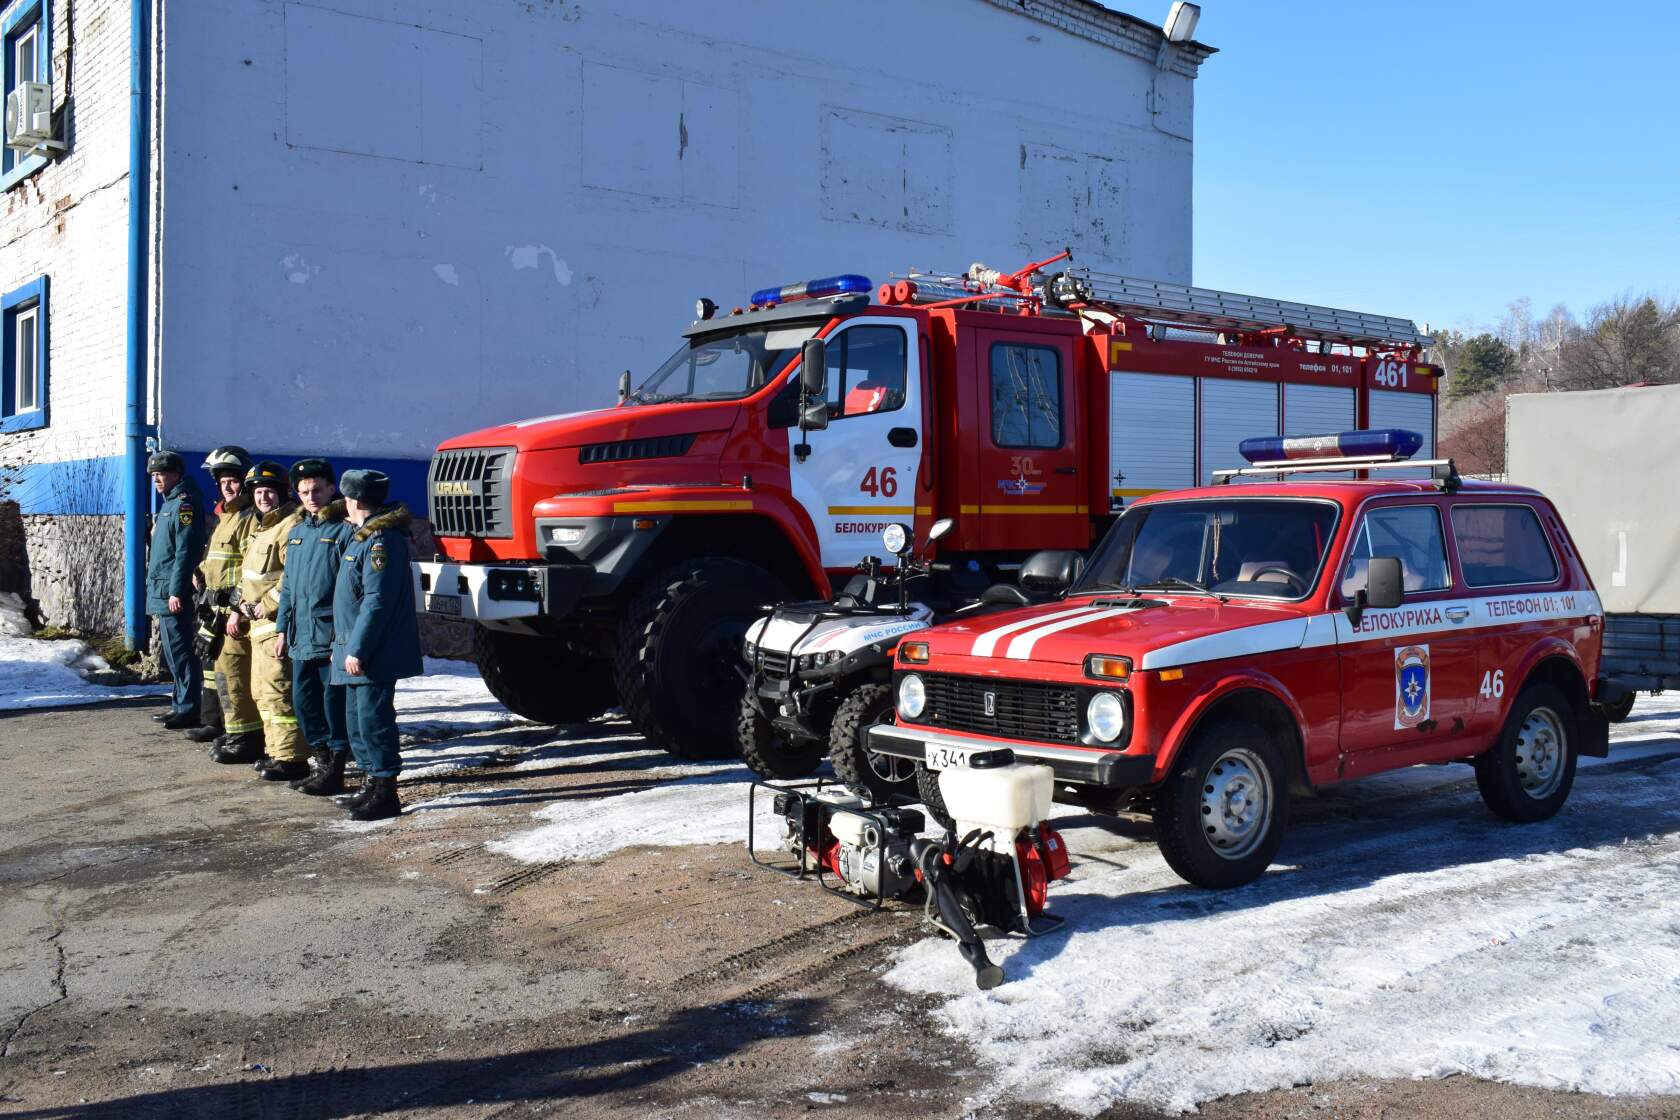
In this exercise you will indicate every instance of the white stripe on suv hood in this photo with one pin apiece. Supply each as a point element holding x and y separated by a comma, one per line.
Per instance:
<point>986,643</point>
<point>1020,649</point>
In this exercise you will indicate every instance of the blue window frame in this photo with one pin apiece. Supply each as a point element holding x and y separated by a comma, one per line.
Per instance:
<point>26,34</point>
<point>23,357</point>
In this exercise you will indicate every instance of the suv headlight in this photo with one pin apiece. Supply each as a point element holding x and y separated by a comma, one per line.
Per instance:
<point>912,696</point>
<point>1105,715</point>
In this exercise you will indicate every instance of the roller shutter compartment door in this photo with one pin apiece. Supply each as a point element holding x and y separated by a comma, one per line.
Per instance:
<point>1414,412</point>
<point>1233,411</point>
<point>1319,410</point>
<point>1152,433</point>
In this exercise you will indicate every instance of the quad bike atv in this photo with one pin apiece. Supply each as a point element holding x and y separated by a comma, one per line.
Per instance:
<point>819,675</point>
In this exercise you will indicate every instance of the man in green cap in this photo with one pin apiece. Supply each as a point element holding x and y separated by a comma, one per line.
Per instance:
<point>376,636</point>
<point>314,553</point>
<point>176,549</point>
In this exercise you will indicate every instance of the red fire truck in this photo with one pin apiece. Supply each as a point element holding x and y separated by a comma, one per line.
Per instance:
<point>616,556</point>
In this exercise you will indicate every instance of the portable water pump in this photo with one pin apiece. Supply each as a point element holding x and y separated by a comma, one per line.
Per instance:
<point>988,876</point>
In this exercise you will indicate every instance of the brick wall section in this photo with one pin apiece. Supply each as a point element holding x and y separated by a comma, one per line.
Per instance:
<point>69,222</point>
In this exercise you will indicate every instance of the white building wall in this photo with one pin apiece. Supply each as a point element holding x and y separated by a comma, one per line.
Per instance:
<point>391,221</point>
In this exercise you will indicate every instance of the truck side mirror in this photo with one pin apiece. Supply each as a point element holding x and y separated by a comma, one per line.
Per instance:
<point>1385,582</point>
<point>813,417</point>
<point>813,367</point>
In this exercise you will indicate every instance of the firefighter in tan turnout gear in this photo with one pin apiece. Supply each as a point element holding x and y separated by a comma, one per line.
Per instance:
<point>265,560</point>
<point>240,737</point>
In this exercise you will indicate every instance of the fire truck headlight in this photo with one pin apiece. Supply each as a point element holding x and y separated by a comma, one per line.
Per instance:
<point>1106,716</point>
<point>565,535</point>
<point>912,696</point>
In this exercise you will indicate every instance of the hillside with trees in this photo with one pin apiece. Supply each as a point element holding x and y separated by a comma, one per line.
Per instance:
<point>1628,340</point>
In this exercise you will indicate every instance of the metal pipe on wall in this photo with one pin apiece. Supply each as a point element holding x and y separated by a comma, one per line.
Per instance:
<point>136,499</point>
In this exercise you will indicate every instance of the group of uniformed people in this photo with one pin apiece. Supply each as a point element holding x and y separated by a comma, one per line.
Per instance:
<point>299,591</point>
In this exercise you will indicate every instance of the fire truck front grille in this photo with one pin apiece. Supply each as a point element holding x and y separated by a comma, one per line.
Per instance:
<point>1045,713</point>
<point>469,492</point>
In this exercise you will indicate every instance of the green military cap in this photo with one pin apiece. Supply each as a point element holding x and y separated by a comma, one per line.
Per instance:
<point>370,487</point>
<point>165,461</point>
<point>311,468</point>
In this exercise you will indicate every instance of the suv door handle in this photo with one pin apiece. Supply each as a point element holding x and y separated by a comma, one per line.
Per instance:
<point>1458,614</point>
<point>902,437</point>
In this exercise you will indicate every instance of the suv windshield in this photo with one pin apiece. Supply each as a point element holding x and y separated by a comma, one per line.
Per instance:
<point>723,367</point>
<point>1249,547</point>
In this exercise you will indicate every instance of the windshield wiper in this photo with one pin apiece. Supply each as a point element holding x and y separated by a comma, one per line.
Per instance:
<point>1187,585</point>
<point>1101,588</point>
<point>638,397</point>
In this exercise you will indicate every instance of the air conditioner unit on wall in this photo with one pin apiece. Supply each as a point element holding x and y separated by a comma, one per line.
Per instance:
<point>29,118</point>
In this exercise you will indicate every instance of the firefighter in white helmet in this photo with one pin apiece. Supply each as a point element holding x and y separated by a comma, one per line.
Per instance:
<point>265,560</point>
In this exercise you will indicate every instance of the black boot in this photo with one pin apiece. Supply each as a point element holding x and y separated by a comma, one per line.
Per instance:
<point>319,757</point>
<point>206,734</point>
<point>357,799</point>
<point>382,804</point>
<point>326,780</point>
<point>245,747</point>
<point>181,721</point>
<point>273,770</point>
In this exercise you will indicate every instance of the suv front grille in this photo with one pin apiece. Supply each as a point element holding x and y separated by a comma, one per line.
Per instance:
<point>469,492</point>
<point>1045,713</point>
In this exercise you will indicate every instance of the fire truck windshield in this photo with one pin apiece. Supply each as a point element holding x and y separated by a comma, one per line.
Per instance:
<point>1250,548</point>
<point>723,367</point>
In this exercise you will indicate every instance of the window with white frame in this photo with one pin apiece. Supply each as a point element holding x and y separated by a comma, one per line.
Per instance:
<point>26,31</point>
<point>23,357</point>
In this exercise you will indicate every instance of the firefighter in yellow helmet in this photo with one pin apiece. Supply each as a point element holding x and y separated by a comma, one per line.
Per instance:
<point>240,735</point>
<point>265,560</point>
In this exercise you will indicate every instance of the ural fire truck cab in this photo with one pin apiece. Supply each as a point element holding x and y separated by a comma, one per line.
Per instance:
<point>1228,646</point>
<point>617,556</point>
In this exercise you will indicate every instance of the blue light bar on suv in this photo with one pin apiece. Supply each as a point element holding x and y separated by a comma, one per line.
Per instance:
<point>1394,443</point>
<point>813,289</point>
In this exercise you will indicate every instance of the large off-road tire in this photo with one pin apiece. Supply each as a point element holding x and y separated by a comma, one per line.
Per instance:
<point>1221,815</point>
<point>541,678</point>
<point>1528,773</point>
<point>679,653</point>
<point>866,773</point>
<point>1621,709</point>
<point>770,754</point>
<point>927,791</point>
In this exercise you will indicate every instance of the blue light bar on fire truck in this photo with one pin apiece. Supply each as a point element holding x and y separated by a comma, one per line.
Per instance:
<point>1364,450</point>
<point>1385,443</point>
<point>846,284</point>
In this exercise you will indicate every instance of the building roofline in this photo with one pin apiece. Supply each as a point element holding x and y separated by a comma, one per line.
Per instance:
<point>1098,23</point>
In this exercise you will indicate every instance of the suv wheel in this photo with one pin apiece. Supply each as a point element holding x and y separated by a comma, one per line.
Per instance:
<point>927,790</point>
<point>1528,773</point>
<point>866,772</point>
<point>679,653</point>
<point>1221,815</point>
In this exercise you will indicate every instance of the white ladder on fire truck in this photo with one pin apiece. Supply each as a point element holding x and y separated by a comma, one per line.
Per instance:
<point>1156,301</point>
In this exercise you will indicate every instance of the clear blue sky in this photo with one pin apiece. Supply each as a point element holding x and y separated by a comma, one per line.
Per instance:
<point>1438,160</point>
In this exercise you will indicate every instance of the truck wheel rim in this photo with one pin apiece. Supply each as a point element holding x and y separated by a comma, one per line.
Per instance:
<point>1236,803</point>
<point>1540,752</point>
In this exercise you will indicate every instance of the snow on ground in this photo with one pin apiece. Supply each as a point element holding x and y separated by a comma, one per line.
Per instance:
<point>450,699</point>
<point>1404,931</point>
<point>1397,936</point>
<point>40,674</point>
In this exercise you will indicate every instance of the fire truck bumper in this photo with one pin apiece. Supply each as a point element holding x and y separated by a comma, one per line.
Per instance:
<point>499,592</point>
<point>1081,765</point>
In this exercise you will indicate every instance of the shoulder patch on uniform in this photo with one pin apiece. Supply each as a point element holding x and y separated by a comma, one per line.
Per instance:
<point>185,516</point>
<point>376,557</point>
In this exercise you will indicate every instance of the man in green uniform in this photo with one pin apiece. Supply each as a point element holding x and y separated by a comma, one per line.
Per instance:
<point>240,725</point>
<point>376,636</point>
<point>314,553</point>
<point>176,549</point>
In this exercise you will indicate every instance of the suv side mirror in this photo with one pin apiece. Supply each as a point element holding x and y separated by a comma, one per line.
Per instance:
<point>940,528</point>
<point>1385,582</point>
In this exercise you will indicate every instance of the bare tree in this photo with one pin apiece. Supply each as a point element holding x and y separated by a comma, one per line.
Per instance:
<point>1627,340</point>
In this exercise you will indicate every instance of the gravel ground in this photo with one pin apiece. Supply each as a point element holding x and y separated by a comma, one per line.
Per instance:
<point>182,940</point>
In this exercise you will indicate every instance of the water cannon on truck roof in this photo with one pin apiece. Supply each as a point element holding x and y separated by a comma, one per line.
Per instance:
<point>616,556</point>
